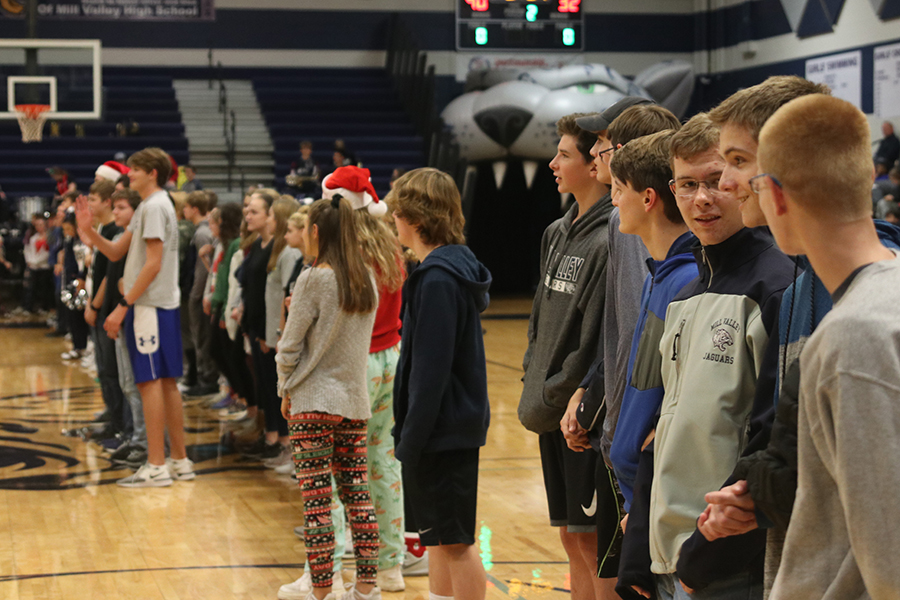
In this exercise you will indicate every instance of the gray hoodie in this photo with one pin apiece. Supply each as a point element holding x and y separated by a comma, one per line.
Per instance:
<point>566,317</point>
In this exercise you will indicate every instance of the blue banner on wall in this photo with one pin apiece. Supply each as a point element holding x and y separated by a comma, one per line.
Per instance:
<point>115,10</point>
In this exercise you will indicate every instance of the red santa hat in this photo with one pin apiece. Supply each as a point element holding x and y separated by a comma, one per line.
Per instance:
<point>111,170</point>
<point>354,184</point>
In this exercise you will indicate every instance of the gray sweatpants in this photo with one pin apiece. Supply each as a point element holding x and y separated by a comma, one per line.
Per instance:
<point>132,395</point>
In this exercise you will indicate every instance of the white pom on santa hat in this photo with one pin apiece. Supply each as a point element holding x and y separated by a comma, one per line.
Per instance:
<point>355,185</point>
<point>111,170</point>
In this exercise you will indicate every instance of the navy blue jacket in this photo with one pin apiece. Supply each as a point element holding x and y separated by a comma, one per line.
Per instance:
<point>440,389</point>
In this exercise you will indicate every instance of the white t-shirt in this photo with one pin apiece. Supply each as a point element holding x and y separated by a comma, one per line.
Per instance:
<point>155,219</point>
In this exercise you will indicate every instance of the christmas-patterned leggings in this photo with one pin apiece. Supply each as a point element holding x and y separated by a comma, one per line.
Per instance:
<point>322,444</point>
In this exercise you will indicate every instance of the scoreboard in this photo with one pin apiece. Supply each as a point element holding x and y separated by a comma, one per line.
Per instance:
<point>519,25</point>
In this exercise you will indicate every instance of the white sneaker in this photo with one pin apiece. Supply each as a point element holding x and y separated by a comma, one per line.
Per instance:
<point>147,476</point>
<point>287,468</point>
<point>354,594</point>
<point>235,412</point>
<point>414,566</point>
<point>391,580</point>
<point>71,355</point>
<point>182,470</point>
<point>302,588</point>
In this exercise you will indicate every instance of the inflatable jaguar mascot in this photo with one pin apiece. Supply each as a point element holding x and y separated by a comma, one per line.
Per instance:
<point>505,125</point>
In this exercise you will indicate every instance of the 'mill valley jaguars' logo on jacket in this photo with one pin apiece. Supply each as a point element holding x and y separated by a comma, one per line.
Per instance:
<point>724,332</point>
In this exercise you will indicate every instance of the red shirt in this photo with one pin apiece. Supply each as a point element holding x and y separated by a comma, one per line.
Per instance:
<point>386,333</point>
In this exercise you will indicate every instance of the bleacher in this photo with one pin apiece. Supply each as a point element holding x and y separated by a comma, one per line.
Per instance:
<point>355,105</point>
<point>147,100</point>
<point>321,105</point>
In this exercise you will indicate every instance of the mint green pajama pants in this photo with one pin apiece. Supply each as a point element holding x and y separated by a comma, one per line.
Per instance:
<point>384,468</point>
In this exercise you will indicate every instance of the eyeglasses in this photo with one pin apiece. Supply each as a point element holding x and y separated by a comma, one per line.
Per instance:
<point>756,182</point>
<point>688,188</point>
<point>602,152</point>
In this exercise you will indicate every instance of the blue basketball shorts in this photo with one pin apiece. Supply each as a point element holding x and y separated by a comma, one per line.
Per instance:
<point>153,336</point>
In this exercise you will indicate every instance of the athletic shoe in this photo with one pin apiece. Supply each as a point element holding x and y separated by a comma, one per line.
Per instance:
<point>100,431</point>
<point>235,412</point>
<point>287,469</point>
<point>123,451</point>
<point>243,429</point>
<point>182,470</point>
<point>302,588</point>
<point>415,566</point>
<point>202,390</point>
<point>148,476</point>
<point>391,580</point>
<point>284,458</point>
<point>253,450</point>
<point>71,355</point>
<point>113,443</point>
<point>271,451</point>
<point>135,457</point>
<point>355,594</point>
<point>222,401</point>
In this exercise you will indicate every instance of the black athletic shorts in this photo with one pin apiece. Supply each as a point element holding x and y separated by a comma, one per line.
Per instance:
<point>610,511</point>
<point>442,489</point>
<point>569,482</point>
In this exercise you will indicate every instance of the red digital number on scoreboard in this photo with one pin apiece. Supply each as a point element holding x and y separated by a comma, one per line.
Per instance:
<point>567,6</point>
<point>480,5</point>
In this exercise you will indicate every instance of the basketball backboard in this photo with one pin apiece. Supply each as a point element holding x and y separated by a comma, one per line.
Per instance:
<point>64,74</point>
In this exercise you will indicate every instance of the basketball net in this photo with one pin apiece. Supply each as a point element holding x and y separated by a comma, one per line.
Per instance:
<point>31,120</point>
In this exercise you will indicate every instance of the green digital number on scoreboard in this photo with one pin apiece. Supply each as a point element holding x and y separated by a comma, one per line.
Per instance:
<point>538,25</point>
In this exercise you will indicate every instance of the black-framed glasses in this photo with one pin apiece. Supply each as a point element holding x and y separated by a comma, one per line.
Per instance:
<point>688,188</point>
<point>602,152</point>
<point>756,182</point>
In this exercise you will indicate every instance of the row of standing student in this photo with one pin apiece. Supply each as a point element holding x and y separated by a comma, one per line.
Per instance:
<point>288,283</point>
<point>333,379</point>
<point>719,438</point>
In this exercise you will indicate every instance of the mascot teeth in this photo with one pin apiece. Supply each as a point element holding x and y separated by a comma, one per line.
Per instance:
<point>499,172</point>
<point>530,167</point>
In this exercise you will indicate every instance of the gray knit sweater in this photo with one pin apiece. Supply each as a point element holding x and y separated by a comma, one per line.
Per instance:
<point>323,354</point>
<point>275,282</point>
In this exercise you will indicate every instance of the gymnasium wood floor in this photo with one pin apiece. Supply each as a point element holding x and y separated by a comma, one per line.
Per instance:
<point>67,531</point>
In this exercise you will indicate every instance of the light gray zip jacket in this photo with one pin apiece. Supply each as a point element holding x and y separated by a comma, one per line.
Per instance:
<point>716,334</point>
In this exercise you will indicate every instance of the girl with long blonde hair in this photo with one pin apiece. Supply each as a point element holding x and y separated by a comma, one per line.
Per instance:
<point>382,253</point>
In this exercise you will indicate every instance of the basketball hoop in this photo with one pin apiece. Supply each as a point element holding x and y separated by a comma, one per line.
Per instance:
<point>31,120</point>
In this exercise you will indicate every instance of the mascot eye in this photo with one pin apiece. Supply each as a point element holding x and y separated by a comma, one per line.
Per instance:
<point>589,88</point>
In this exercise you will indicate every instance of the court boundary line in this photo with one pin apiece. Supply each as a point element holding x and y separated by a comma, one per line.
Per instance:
<point>11,578</point>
